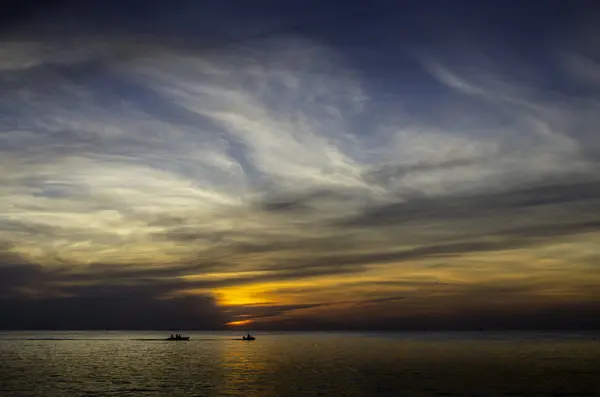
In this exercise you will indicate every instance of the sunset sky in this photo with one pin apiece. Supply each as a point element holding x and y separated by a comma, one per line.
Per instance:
<point>300,164</point>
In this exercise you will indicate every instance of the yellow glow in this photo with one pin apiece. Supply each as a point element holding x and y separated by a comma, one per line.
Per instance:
<point>422,284</point>
<point>240,322</point>
<point>238,296</point>
<point>268,292</point>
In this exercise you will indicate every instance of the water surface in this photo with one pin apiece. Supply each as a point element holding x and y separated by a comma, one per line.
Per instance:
<point>299,364</point>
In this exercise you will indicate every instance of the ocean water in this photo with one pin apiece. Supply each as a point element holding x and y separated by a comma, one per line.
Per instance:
<point>123,363</point>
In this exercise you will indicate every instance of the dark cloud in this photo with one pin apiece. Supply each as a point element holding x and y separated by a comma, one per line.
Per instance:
<point>347,263</point>
<point>329,255</point>
<point>101,296</point>
<point>134,296</point>
<point>551,229</point>
<point>273,311</point>
<point>163,279</point>
<point>130,309</point>
<point>288,202</point>
<point>461,207</point>
<point>386,174</point>
<point>109,279</point>
<point>15,276</point>
<point>34,297</point>
<point>267,310</point>
<point>566,316</point>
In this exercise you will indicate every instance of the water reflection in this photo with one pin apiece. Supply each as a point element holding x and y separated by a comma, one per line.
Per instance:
<point>246,368</point>
<point>296,365</point>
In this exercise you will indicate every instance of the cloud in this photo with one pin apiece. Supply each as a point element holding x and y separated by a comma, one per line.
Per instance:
<point>559,317</point>
<point>34,297</point>
<point>174,167</point>
<point>123,311</point>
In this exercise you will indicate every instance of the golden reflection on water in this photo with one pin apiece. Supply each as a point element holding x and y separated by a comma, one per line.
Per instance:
<point>300,364</point>
<point>244,369</point>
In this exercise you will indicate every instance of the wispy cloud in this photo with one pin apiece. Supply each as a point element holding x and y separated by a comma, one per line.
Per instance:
<point>158,162</point>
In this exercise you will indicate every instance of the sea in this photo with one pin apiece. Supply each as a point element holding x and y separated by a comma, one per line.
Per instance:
<point>128,363</point>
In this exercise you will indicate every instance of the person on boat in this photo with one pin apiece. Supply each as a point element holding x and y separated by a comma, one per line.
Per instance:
<point>171,337</point>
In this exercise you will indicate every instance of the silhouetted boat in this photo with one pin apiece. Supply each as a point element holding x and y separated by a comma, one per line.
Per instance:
<point>179,338</point>
<point>248,337</point>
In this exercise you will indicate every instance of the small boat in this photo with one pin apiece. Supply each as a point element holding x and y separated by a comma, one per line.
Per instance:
<point>178,337</point>
<point>248,337</point>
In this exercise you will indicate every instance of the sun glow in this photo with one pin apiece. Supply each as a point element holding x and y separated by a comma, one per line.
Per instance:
<point>240,322</point>
<point>239,297</point>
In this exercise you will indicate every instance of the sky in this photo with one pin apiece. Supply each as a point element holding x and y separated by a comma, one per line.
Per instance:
<point>300,165</point>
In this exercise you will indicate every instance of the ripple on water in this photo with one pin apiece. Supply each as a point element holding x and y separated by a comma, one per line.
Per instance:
<point>305,365</point>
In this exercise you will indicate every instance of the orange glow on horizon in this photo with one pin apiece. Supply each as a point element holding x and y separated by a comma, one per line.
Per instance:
<point>240,322</point>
